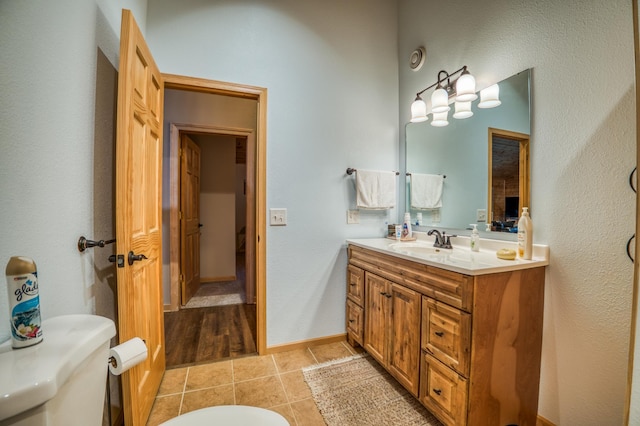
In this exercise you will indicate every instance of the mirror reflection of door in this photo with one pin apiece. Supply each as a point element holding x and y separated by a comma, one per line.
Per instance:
<point>508,178</point>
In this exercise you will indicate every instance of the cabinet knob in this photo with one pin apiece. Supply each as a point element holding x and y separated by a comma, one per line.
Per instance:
<point>439,333</point>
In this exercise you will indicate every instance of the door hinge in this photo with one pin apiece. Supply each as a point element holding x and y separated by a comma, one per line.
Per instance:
<point>181,278</point>
<point>180,215</point>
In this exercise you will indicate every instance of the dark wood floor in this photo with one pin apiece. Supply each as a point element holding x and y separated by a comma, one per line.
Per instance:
<point>199,335</point>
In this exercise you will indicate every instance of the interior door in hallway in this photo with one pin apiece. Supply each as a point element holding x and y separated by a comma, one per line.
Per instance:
<point>139,217</point>
<point>190,217</point>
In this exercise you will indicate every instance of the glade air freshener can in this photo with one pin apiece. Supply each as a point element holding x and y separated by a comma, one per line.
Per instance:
<point>24,302</point>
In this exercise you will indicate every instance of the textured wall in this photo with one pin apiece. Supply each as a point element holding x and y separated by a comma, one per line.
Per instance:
<point>56,115</point>
<point>582,152</point>
<point>330,68</point>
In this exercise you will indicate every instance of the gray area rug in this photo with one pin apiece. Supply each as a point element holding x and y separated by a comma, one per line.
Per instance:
<point>217,294</point>
<point>357,391</point>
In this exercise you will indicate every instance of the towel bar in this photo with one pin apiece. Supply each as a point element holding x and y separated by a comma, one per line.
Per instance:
<point>351,171</point>
<point>443,176</point>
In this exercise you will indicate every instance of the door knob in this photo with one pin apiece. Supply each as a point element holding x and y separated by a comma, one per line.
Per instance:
<point>135,257</point>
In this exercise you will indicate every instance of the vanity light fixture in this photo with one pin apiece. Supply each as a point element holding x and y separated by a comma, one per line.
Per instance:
<point>462,89</point>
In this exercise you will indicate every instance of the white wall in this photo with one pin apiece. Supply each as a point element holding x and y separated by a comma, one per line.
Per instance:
<point>217,207</point>
<point>56,115</point>
<point>582,152</point>
<point>330,68</point>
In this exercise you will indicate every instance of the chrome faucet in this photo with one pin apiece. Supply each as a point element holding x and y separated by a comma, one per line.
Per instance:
<point>442,240</point>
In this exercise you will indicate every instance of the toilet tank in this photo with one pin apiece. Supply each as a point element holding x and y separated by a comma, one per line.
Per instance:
<point>60,381</point>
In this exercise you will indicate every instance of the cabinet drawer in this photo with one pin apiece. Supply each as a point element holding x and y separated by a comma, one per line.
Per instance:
<point>355,321</point>
<point>355,284</point>
<point>443,391</point>
<point>446,334</point>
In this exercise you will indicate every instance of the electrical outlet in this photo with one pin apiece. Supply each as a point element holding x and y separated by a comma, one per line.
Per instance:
<point>481,215</point>
<point>277,217</point>
<point>353,216</point>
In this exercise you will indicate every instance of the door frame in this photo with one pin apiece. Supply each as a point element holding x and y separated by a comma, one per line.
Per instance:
<point>178,82</point>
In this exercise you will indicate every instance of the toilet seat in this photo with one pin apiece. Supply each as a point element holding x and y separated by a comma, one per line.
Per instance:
<point>229,415</point>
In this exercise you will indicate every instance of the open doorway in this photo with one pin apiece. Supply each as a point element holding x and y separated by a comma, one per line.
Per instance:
<point>246,140</point>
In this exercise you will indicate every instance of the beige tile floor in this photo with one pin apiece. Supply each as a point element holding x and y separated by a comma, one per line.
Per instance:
<point>273,381</point>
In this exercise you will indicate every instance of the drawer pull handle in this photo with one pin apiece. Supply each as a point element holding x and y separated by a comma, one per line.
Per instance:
<point>437,391</point>
<point>352,321</point>
<point>352,284</point>
<point>383,293</point>
<point>439,333</point>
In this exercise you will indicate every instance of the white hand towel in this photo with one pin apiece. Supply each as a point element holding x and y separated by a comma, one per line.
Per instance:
<point>426,191</point>
<point>375,190</point>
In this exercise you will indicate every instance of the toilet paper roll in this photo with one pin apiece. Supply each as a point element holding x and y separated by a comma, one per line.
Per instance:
<point>127,355</point>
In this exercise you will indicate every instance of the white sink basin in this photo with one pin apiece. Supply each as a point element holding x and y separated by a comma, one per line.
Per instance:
<point>418,249</point>
<point>456,256</point>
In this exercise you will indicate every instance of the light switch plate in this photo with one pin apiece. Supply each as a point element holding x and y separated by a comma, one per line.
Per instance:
<point>481,215</point>
<point>278,217</point>
<point>353,216</point>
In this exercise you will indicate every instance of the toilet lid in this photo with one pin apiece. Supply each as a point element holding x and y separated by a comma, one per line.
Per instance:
<point>229,415</point>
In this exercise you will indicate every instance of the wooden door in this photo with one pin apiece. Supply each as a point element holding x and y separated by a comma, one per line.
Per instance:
<point>190,217</point>
<point>376,317</point>
<point>404,336</point>
<point>139,217</point>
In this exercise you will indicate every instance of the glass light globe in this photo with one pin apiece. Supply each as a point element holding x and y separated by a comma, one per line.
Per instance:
<point>463,110</point>
<point>440,119</point>
<point>440,101</point>
<point>466,88</point>
<point>490,97</point>
<point>418,111</point>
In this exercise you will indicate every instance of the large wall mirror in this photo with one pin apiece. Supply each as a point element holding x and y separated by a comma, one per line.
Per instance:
<point>461,152</point>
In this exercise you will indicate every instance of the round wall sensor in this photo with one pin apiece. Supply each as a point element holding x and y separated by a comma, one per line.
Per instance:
<point>416,60</point>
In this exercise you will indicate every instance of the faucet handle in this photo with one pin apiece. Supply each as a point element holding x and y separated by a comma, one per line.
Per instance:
<point>446,240</point>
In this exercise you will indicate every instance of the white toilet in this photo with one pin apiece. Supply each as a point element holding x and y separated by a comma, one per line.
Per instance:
<point>229,415</point>
<point>61,380</point>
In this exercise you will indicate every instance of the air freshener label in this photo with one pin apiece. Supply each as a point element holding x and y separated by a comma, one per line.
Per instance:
<point>24,303</point>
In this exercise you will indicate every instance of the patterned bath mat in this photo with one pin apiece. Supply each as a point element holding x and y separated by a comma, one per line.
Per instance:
<point>356,391</point>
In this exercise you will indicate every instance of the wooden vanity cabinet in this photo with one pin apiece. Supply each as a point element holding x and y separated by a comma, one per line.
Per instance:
<point>468,347</point>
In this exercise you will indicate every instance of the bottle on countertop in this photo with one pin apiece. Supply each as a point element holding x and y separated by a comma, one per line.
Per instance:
<point>474,241</point>
<point>24,302</point>
<point>406,226</point>
<point>525,235</point>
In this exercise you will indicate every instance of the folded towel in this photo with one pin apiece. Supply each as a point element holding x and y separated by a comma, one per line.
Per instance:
<point>375,190</point>
<point>426,191</point>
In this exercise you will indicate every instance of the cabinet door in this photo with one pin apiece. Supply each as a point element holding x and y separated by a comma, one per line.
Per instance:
<point>404,337</point>
<point>355,322</point>
<point>355,284</point>
<point>376,316</point>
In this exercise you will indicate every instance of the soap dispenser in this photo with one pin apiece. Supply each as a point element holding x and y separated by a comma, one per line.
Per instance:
<point>474,241</point>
